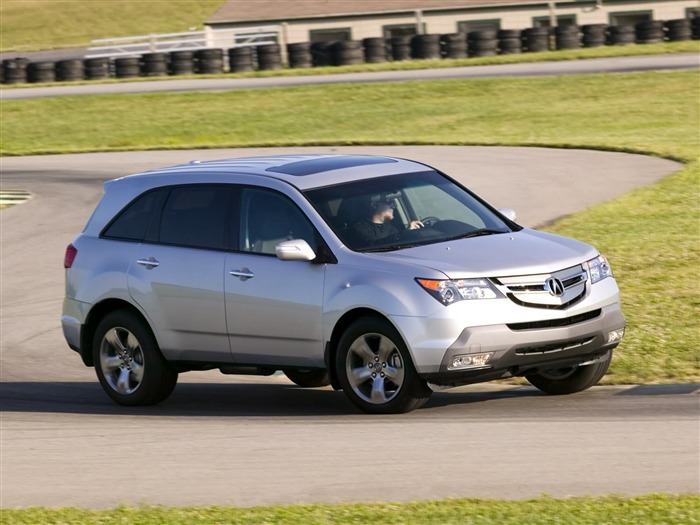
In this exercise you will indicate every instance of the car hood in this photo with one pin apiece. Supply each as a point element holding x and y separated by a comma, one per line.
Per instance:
<point>525,252</point>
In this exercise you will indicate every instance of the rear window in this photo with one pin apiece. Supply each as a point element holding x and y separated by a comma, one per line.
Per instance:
<point>132,222</point>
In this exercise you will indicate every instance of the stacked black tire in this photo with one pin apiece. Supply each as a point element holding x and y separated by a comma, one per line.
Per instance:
<point>376,50</point>
<point>453,45</point>
<point>594,35</point>
<point>621,35</point>
<point>209,61</point>
<point>425,47</point>
<point>127,67</point>
<point>97,68</point>
<point>299,55</point>
<point>679,30</point>
<point>241,59</point>
<point>650,31</point>
<point>347,52</point>
<point>400,48</point>
<point>482,43</point>
<point>154,64</point>
<point>695,26</point>
<point>14,70</point>
<point>567,37</point>
<point>269,57</point>
<point>510,41</point>
<point>181,63</point>
<point>321,54</point>
<point>41,72</point>
<point>536,39</point>
<point>70,70</point>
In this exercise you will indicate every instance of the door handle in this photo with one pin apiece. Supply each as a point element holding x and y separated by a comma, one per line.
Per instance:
<point>149,263</point>
<point>244,274</point>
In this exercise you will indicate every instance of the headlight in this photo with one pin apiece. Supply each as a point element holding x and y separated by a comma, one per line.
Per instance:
<point>450,291</point>
<point>599,269</point>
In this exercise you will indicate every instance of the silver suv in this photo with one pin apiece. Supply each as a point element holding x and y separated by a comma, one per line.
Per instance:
<point>380,276</point>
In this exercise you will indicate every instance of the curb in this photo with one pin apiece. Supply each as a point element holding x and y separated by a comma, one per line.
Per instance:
<point>11,197</point>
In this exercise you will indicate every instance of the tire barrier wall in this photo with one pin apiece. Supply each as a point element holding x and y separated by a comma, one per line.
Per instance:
<point>348,52</point>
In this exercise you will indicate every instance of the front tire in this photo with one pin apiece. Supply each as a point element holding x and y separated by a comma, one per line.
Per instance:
<point>128,362</point>
<point>375,370</point>
<point>571,379</point>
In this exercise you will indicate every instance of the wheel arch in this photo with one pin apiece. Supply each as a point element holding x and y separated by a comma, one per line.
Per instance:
<point>97,313</point>
<point>340,326</point>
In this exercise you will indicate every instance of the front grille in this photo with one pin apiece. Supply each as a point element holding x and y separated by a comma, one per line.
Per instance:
<point>555,323</point>
<point>554,347</point>
<point>548,306</point>
<point>553,291</point>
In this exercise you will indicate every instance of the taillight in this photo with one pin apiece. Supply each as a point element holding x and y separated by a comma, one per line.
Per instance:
<point>68,259</point>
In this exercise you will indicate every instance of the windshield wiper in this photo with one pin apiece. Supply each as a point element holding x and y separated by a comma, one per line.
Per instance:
<point>390,248</point>
<point>476,233</point>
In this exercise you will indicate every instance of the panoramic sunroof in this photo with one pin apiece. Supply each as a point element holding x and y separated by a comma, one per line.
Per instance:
<point>310,167</point>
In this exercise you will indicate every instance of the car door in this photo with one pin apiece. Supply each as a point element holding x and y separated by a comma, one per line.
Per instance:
<point>273,307</point>
<point>177,275</point>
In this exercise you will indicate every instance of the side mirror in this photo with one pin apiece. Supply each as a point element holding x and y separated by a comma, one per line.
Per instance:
<point>508,214</point>
<point>295,250</point>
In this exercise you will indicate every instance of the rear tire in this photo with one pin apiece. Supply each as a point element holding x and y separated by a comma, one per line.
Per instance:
<point>128,362</point>
<point>309,378</point>
<point>375,369</point>
<point>572,379</point>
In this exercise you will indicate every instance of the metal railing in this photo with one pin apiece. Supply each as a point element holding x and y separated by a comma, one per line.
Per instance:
<point>188,41</point>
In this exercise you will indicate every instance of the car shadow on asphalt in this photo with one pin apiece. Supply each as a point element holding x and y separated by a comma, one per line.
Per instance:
<point>213,399</point>
<point>278,399</point>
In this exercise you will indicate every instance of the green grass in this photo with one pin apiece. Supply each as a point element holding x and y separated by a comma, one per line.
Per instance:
<point>27,25</point>
<point>651,235</point>
<point>651,510</point>
<point>645,112</point>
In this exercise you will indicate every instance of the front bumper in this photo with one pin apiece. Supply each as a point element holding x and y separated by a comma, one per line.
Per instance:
<point>526,348</point>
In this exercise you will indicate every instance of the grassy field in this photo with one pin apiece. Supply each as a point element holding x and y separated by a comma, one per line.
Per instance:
<point>651,235</point>
<point>645,510</point>
<point>27,25</point>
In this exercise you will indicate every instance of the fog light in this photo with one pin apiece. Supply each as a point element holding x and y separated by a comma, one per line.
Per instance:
<point>616,335</point>
<point>469,361</point>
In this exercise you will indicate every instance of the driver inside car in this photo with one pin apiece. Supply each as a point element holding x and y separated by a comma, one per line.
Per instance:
<point>379,225</point>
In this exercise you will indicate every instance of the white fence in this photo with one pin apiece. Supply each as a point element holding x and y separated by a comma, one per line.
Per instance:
<point>189,41</point>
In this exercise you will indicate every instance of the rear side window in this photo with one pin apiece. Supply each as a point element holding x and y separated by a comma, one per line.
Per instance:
<point>132,223</point>
<point>196,216</point>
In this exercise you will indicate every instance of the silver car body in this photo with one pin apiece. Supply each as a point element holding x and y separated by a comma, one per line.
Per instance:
<point>232,307</point>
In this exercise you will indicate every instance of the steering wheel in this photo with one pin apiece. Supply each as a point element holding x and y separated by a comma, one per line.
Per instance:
<point>429,221</point>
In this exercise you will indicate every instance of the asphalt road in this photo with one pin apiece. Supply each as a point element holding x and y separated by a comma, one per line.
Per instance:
<point>571,67</point>
<point>251,441</point>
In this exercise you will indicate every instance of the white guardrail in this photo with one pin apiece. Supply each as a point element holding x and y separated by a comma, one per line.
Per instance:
<point>189,41</point>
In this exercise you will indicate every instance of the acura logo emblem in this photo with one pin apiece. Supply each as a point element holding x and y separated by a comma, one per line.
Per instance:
<point>554,286</point>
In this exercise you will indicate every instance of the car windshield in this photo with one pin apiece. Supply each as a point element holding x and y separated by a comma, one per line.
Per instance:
<point>402,211</point>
